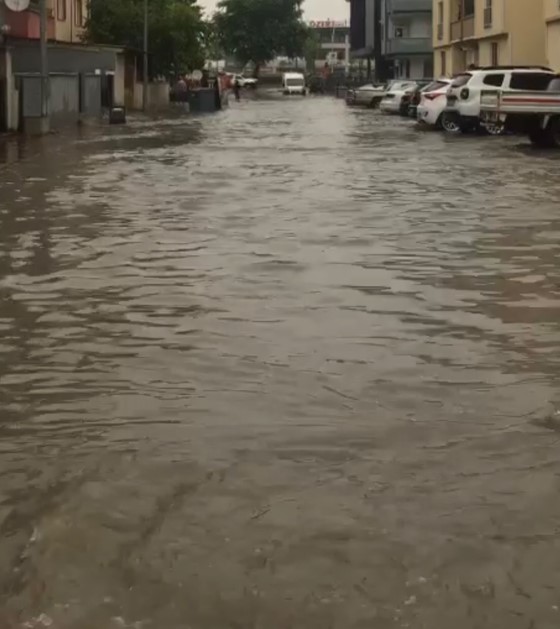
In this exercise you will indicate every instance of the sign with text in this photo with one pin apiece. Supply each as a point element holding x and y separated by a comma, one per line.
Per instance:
<point>328,23</point>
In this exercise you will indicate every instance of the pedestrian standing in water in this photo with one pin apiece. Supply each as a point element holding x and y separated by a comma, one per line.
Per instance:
<point>237,89</point>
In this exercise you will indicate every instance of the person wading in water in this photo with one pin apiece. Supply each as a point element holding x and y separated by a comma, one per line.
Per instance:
<point>237,89</point>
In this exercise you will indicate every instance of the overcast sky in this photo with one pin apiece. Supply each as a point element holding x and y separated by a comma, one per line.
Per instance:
<point>314,9</point>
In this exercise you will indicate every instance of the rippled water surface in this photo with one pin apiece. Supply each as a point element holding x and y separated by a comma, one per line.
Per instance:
<point>292,366</point>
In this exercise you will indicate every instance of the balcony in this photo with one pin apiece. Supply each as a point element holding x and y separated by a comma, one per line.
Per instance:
<point>409,46</point>
<point>409,6</point>
<point>462,29</point>
<point>26,24</point>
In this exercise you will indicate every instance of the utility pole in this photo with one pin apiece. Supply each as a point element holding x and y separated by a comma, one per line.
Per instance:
<point>145,86</point>
<point>45,87</point>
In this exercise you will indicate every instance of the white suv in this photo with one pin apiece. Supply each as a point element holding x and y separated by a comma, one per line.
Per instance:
<point>462,113</point>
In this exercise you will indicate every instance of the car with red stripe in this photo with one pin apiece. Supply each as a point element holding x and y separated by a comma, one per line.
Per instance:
<point>462,111</point>
<point>535,113</point>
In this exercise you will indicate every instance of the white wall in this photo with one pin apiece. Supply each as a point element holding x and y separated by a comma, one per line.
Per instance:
<point>416,26</point>
<point>158,95</point>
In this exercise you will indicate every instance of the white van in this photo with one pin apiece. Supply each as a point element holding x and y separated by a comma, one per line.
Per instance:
<point>293,83</point>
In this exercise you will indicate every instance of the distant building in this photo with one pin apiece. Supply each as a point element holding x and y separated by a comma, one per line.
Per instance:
<point>334,43</point>
<point>407,38</point>
<point>395,36</point>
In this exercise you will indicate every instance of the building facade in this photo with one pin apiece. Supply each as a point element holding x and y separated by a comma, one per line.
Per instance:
<point>334,43</point>
<point>488,32</point>
<point>396,35</point>
<point>65,21</point>
<point>70,61</point>
<point>552,33</point>
<point>407,38</point>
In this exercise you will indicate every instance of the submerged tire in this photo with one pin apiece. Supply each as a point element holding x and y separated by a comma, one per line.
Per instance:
<point>495,129</point>
<point>450,123</point>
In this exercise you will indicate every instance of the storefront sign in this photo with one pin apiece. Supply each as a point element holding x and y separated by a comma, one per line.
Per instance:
<point>329,24</point>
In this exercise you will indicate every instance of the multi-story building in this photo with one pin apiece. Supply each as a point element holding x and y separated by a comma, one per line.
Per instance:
<point>407,37</point>
<point>396,35</point>
<point>65,21</point>
<point>334,43</point>
<point>552,33</point>
<point>487,32</point>
<point>366,36</point>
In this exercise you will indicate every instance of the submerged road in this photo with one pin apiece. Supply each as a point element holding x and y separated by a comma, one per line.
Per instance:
<point>294,366</point>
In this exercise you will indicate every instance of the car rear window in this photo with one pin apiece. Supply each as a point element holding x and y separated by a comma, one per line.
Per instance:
<point>496,80</point>
<point>435,85</point>
<point>529,81</point>
<point>461,79</point>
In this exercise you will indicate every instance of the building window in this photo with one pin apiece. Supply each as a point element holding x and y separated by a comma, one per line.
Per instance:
<point>61,10</point>
<point>428,68</point>
<point>465,9</point>
<point>488,14</point>
<point>443,60</point>
<point>494,54</point>
<point>440,20</point>
<point>78,13</point>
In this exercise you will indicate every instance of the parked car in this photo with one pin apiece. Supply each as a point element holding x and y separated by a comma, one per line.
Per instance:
<point>462,113</point>
<point>535,113</point>
<point>392,98</point>
<point>433,101</point>
<point>412,97</point>
<point>368,95</point>
<point>245,81</point>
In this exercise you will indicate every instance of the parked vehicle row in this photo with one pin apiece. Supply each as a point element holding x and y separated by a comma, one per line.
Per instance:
<point>493,100</point>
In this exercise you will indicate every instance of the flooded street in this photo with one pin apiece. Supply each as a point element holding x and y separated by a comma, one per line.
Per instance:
<point>294,366</point>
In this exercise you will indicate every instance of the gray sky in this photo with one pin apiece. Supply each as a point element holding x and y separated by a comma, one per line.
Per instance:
<point>314,9</point>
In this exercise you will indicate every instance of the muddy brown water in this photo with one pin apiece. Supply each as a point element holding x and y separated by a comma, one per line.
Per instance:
<point>292,366</point>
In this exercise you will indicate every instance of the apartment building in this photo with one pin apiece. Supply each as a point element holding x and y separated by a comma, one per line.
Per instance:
<point>65,21</point>
<point>552,33</point>
<point>407,40</point>
<point>488,32</point>
<point>69,19</point>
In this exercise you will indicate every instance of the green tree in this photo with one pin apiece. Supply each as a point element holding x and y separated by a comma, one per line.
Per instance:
<point>311,49</point>
<point>258,30</point>
<point>176,31</point>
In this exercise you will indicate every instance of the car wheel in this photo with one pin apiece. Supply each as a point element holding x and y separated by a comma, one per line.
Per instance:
<point>373,103</point>
<point>450,123</point>
<point>494,129</point>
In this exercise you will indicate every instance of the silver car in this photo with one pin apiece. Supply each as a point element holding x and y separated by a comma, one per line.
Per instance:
<point>368,95</point>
